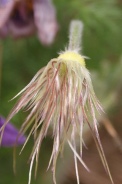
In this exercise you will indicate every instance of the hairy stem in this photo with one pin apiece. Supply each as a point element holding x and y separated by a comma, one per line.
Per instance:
<point>75,33</point>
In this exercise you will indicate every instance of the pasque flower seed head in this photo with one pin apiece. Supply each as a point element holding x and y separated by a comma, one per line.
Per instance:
<point>61,97</point>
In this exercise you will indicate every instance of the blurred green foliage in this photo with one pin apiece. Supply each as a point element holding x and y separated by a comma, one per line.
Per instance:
<point>21,59</point>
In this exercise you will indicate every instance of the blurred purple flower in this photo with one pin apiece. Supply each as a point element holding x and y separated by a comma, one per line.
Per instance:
<point>11,135</point>
<point>25,17</point>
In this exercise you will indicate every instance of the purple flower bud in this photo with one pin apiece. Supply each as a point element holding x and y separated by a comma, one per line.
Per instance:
<point>4,2</point>
<point>11,135</point>
<point>45,21</point>
<point>21,18</point>
<point>6,7</point>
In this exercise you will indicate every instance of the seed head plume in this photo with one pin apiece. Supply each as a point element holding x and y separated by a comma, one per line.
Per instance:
<point>61,97</point>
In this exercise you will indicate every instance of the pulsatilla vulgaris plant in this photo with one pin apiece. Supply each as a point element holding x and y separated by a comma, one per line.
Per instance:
<point>61,96</point>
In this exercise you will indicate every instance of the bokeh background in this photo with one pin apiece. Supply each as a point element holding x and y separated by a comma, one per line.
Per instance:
<point>19,61</point>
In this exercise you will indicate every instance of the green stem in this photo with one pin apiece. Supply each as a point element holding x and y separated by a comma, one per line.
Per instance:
<point>75,34</point>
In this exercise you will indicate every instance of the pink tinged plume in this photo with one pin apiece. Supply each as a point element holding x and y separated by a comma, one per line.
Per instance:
<point>11,135</point>
<point>61,97</point>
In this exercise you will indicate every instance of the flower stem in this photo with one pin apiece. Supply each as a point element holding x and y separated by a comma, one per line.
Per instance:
<point>75,33</point>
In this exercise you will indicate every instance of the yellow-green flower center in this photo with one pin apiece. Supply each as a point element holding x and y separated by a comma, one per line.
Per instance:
<point>72,56</point>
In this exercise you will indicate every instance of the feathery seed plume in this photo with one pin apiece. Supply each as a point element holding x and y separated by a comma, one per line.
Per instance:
<point>61,96</point>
